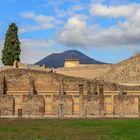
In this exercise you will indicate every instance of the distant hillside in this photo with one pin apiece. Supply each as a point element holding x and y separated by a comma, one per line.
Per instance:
<point>56,60</point>
<point>127,71</point>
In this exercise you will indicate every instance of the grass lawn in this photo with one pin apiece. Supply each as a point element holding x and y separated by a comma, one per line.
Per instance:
<point>70,129</point>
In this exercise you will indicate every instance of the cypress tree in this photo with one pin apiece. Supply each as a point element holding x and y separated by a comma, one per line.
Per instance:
<point>11,50</point>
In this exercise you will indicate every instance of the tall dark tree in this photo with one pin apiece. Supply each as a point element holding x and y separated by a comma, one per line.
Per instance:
<point>11,50</point>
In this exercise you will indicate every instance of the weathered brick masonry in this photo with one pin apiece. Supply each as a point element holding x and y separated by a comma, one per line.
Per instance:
<point>43,93</point>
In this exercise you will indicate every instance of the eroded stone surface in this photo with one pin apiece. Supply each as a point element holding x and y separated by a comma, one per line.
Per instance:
<point>6,105</point>
<point>33,105</point>
<point>33,93</point>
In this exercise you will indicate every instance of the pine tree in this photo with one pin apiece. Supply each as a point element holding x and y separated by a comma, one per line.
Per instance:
<point>11,50</point>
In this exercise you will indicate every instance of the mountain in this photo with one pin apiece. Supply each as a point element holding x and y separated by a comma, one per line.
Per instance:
<point>56,60</point>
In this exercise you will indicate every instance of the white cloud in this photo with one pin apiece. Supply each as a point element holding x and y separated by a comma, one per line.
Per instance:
<point>58,3</point>
<point>28,28</point>
<point>78,33</point>
<point>114,11</point>
<point>76,6</point>
<point>75,23</point>
<point>73,10</point>
<point>41,22</point>
<point>34,50</point>
<point>45,22</point>
<point>39,43</point>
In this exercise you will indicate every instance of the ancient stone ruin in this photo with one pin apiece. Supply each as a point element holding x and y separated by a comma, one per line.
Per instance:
<point>31,92</point>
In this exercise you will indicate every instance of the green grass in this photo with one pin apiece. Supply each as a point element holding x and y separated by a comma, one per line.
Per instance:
<point>70,129</point>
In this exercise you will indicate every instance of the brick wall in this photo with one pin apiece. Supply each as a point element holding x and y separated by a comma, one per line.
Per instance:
<point>6,105</point>
<point>63,105</point>
<point>126,105</point>
<point>33,105</point>
<point>92,105</point>
<point>75,100</point>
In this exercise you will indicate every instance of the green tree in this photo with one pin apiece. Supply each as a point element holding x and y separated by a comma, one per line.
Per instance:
<point>11,50</point>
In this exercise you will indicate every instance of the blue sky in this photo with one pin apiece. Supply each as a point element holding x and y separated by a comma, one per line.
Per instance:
<point>106,30</point>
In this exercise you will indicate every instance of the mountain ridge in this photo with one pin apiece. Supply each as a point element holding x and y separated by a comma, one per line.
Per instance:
<point>56,60</point>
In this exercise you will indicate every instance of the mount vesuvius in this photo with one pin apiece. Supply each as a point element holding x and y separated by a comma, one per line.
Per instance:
<point>56,60</point>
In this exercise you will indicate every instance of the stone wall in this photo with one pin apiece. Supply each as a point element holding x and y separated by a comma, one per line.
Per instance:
<point>32,93</point>
<point>71,63</point>
<point>33,105</point>
<point>91,105</point>
<point>6,105</point>
<point>126,105</point>
<point>21,79</point>
<point>90,71</point>
<point>63,105</point>
<point>29,66</point>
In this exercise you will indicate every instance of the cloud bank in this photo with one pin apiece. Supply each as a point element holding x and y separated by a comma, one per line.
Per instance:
<point>126,31</point>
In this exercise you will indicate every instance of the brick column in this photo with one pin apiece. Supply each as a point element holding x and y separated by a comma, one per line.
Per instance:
<point>61,86</point>
<point>3,86</point>
<point>81,101</point>
<point>32,88</point>
<point>101,98</point>
<point>88,87</point>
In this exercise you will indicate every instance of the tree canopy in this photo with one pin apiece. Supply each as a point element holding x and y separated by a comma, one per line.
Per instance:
<point>11,50</point>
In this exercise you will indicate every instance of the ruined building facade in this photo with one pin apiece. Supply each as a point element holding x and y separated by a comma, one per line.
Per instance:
<point>27,92</point>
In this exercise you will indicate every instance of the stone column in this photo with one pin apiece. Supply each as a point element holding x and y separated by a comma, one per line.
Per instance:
<point>101,98</point>
<point>81,101</point>
<point>32,89</point>
<point>88,87</point>
<point>3,86</point>
<point>61,86</point>
<point>60,108</point>
<point>94,88</point>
